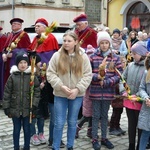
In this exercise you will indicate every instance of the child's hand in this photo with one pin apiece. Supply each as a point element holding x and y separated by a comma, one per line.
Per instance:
<point>134,98</point>
<point>74,93</point>
<point>7,112</point>
<point>148,102</point>
<point>101,83</point>
<point>66,90</point>
<point>42,85</point>
<point>125,94</point>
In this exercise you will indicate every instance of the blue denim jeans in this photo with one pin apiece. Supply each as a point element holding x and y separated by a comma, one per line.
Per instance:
<point>51,121</point>
<point>63,107</point>
<point>17,123</point>
<point>40,126</point>
<point>144,139</point>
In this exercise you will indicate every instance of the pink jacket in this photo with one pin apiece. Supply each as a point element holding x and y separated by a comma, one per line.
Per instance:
<point>87,105</point>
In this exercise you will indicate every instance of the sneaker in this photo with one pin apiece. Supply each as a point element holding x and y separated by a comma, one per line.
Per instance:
<point>121,131</point>
<point>114,132</point>
<point>96,145</point>
<point>35,140</point>
<point>62,145</point>
<point>42,138</point>
<point>50,143</point>
<point>107,143</point>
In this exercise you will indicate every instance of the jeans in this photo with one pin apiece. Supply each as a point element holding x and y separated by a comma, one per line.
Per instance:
<point>63,107</point>
<point>144,139</point>
<point>17,123</point>
<point>51,121</point>
<point>40,126</point>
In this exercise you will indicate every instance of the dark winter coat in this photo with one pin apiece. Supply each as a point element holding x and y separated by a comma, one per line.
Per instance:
<point>17,93</point>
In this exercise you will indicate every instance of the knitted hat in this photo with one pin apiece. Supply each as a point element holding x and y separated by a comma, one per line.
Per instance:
<point>90,49</point>
<point>116,31</point>
<point>140,49</point>
<point>21,56</point>
<point>103,35</point>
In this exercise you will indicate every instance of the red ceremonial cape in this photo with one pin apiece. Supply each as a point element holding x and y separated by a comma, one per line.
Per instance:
<point>89,36</point>
<point>49,44</point>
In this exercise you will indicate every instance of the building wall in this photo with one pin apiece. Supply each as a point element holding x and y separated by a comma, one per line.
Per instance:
<point>52,10</point>
<point>96,11</point>
<point>117,11</point>
<point>30,10</point>
<point>115,20</point>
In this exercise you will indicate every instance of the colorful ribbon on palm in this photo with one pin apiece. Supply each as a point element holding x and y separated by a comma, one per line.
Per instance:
<point>33,60</point>
<point>127,88</point>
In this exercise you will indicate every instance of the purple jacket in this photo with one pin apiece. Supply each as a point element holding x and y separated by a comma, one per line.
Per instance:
<point>110,80</point>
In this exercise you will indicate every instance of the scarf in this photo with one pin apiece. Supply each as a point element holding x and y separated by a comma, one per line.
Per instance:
<point>116,43</point>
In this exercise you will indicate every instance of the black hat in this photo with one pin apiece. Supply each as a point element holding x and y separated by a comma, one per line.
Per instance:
<point>21,56</point>
<point>116,31</point>
<point>16,20</point>
<point>38,58</point>
<point>34,54</point>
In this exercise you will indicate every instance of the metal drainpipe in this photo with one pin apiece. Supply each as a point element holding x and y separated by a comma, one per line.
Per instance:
<point>107,12</point>
<point>13,12</point>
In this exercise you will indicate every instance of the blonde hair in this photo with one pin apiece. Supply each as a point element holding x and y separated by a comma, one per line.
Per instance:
<point>64,60</point>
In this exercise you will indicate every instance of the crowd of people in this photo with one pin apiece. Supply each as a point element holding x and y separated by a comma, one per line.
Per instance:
<point>77,83</point>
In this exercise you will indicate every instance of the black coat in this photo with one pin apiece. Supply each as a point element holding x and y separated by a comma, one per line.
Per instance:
<point>17,93</point>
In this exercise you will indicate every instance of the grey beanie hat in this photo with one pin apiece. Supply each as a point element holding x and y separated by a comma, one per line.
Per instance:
<point>140,49</point>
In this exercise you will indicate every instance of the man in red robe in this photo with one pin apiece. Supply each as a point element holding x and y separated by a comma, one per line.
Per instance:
<point>2,42</point>
<point>86,34</point>
<point>48,46</point>
<point>17,41</point>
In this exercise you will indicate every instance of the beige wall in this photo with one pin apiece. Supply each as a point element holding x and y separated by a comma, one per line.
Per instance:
<point>29,13</point>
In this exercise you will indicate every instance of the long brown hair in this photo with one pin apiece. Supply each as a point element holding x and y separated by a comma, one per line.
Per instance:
<point>75,64</point>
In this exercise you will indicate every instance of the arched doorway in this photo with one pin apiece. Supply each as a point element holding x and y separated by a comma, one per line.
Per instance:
<point>138,17</point>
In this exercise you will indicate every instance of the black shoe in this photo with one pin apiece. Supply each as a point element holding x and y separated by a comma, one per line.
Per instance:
<point>50,143</point>
<point>70,148</point>
<point>114,132</point>
<point>121,131</point>
<point>62,145</point>
<point>107,143</point>
<point>148,146</point>
<point>96,145</point>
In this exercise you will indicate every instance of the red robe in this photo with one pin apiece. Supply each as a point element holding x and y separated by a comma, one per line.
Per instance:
<point>46,49</point>
<point>21,46</point>
<point>88,36</point>
<point>50,43</point>
<point>2,42</point>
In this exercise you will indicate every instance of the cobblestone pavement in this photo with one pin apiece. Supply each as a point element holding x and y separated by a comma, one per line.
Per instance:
<point>82,143</point>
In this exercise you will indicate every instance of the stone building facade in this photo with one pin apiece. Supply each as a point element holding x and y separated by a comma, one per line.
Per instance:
<point>62,11</point>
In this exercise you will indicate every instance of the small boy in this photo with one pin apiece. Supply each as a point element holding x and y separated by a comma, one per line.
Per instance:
<point>16,101</point>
